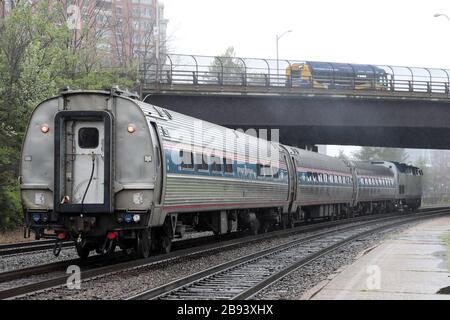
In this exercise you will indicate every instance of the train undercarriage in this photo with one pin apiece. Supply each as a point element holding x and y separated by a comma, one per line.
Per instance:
<point>94,233</point>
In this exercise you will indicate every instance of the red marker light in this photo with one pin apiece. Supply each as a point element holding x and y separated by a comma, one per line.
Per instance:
<point>131,128</point>
<point>61,236</point>
<point>45,128</point>
<point>112,235</point>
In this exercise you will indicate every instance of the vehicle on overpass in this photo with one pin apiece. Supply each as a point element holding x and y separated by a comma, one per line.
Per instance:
<point>329,75</point>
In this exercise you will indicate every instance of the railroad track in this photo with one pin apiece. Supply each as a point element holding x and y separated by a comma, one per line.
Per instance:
<point>190,247</point>
<point>31,246</point>
<point>246,276</point>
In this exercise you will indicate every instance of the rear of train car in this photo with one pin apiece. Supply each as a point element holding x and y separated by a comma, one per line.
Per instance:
<point>91,171</point>
<point>103,169</point>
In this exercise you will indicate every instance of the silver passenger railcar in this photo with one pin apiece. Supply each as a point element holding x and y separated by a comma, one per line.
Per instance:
<point>105,169</point>
<point>376,187</point>
<point>324,185</point>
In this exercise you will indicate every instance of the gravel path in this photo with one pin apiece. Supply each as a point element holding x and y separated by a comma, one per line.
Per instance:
<point>29,259</point>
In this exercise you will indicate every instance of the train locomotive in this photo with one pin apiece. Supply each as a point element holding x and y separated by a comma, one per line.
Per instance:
<point>340,76</point>
<point>104,169</point>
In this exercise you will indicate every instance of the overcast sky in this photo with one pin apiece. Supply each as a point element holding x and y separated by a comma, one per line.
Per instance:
<point>396,32</point>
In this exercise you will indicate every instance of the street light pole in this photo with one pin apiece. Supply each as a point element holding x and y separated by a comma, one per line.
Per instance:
<point>278,39</point>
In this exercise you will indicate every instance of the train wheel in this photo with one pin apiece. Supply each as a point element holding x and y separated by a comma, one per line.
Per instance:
<point>266,227</point>
<point>254,226</point>
<point>143,243</point>
<point>165,244</point>
<point>83,251</point>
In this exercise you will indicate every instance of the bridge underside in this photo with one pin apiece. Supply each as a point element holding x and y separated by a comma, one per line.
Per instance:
<point>368,121</point>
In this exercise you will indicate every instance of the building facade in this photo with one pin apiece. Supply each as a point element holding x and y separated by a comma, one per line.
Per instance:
<point>127,29</point>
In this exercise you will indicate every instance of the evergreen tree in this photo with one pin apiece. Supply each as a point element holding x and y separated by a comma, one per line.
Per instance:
<point>375,153</point>
<point>36,59</point>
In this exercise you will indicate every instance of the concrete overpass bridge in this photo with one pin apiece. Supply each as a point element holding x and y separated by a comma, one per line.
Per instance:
<point>310,102</point>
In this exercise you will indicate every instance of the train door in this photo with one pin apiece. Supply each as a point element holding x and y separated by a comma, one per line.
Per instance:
<point>355,193</point>
<point>83,162</point>
<point>88,158</point>
<point>292,179</point>
<point>157,167</point>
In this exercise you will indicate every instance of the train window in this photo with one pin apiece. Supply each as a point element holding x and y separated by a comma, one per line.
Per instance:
<point>158,155</point>
<point>276,172</point>
<point>88,138</point>
<point>315,177</point>
<point>216,164</point>
<point>325,177</point>
<point>320,177</point>
<point>201,162</point>
<point>263,170</point>
<point>187,161</point>
<point>227,165</point>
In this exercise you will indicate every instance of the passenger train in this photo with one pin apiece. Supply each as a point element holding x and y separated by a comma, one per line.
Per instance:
<point>103,169</point>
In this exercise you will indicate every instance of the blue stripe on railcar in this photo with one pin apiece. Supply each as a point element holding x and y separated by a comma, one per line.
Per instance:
<point>241,171</point>
<point>302,178</point>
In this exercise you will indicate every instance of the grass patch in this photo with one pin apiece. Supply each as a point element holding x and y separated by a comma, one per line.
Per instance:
<point>13,236</point>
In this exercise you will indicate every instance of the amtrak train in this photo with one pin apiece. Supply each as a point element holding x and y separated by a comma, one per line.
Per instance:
<point>104,169</point>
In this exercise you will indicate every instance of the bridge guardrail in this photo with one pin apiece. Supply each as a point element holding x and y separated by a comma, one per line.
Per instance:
<point>295,75</point>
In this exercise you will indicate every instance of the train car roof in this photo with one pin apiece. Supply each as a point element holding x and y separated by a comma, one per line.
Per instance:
<point>370,169</point>
<point>318,66</point>
<point>316,160</point>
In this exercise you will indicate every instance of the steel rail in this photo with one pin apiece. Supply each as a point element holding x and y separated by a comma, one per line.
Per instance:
<point>177,285</point>
<point>181,249</point>
<point>32,246</point>
<point>251,292</point>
